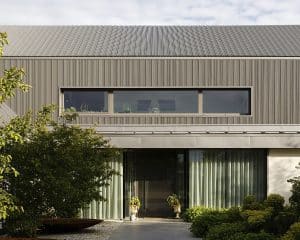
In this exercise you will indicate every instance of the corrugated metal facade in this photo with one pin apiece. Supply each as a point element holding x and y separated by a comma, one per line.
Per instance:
<point>275,85</point>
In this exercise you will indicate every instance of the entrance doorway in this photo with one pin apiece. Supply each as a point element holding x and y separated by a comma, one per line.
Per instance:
<point>152,175</point>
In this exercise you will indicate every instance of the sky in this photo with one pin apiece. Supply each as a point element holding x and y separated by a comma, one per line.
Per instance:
<point>149,12</point>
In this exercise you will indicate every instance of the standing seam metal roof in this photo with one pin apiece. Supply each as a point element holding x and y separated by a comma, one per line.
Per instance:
<point>155,41</point>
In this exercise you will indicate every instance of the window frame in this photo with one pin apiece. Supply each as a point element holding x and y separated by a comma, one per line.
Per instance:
<point>110,103</point>
<point>62,100</point>
<point>250,105</point>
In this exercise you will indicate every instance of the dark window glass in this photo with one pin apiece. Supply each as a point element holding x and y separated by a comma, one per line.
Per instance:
<point>156,101</point>
<point>226,101</point>
<point>86,100</point>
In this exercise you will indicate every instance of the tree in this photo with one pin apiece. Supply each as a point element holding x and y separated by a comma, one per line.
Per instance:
<point>11,80</point>
<point>61,167</point>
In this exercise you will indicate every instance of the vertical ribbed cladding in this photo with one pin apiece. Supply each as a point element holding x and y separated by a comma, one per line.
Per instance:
<point>275,84</point>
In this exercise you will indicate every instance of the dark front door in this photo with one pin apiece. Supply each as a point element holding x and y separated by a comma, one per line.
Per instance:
<point>153,175</point>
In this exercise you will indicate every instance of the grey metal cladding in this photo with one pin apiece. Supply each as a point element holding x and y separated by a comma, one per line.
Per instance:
<point>139,41</point>
<point>275,85</point>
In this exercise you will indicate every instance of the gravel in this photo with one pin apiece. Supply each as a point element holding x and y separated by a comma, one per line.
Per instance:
<point>101,231</point>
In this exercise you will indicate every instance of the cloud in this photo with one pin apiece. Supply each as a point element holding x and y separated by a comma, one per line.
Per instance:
<point>149,12</point>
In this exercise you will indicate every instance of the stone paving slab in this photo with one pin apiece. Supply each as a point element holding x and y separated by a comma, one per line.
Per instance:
<point>150,230</point>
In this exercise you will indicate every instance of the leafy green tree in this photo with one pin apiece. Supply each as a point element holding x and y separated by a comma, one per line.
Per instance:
<point>61,167</point>
<point>11,80</point>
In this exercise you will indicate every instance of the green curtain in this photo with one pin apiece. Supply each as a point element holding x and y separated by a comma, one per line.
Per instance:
<point>222,178</point>
<point>113,207</point>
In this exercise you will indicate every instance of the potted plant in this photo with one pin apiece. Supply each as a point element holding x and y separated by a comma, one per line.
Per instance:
<point>134,206</point>
<point>174,203</point>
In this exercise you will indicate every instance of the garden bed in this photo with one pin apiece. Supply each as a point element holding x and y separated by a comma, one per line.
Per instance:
<point>59,225</point>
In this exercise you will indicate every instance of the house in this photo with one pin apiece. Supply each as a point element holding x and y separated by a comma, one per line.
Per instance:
<point>210,113</point>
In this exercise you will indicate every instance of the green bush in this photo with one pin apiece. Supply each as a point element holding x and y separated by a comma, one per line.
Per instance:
<point>202,223</point>
<point>295,198</point>
<point>21,225</point>
<point>234,214</point>
<point>252,236</point>
<point>281,223</point>
<point>224,231</point>
<point>250,203</point>
<point>293,233</point>
<point>191,213</point>
<point>257,219</point>
<point>275,201</point>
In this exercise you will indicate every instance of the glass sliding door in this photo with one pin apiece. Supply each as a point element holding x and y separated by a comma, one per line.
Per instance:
<point>222,178</point>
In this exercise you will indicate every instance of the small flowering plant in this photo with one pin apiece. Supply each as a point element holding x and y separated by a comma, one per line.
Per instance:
<point>135,202</point>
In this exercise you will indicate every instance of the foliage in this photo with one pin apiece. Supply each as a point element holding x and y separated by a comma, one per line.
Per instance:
<point>252,236</point>
<point>22,225</point>
<point>9,82</point>
<point>293,233</point>
<point>61,169</point>
<point>234,214</point>
<point>275,201</point>
<point>208,218</point>
<point>173,200</point>
<point>135,202</point>
<point>191,213</point>
<point>250,203</point>
<point>202,223</point>
<point>282,222</point>
<point>295,197</point>
<point>257,219</point>
<point>224,231</point>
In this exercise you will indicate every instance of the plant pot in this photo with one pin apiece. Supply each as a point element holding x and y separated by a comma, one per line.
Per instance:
<point>177,210</point>
<point>133,211</point>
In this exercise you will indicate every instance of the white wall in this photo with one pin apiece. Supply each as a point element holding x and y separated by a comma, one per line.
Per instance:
<point>282,166</point>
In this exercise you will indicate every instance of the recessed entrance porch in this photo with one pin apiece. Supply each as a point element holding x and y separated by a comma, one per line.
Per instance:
<point>152,175</point>
<point>215,178</point>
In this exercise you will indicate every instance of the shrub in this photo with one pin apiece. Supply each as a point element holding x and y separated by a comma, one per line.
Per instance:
<point>293,233</point>
<point>191,213</point>
<point>252,236</point>
<point>281,223</point>
<point>257,219</point>
<point>21,225</point>
<point>53,180</point>
<point>234,214</point>
<point>295,197</point>
<point>275,201</point>
<point>250,203</point>
<point>224,231</point>
<point>202,223</point>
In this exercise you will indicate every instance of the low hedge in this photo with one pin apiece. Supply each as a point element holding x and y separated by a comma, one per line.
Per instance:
<point>293,233</point>
<point>257,219</point>
<point>202,223</point>
<point>252,236</point>
<point>224,231</point>
<point>191,213</point>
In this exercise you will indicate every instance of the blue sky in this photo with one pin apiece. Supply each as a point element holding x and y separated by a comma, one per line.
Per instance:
<point>149,12</point>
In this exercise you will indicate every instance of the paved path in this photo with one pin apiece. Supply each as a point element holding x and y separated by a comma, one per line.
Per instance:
<point>152,230</point>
